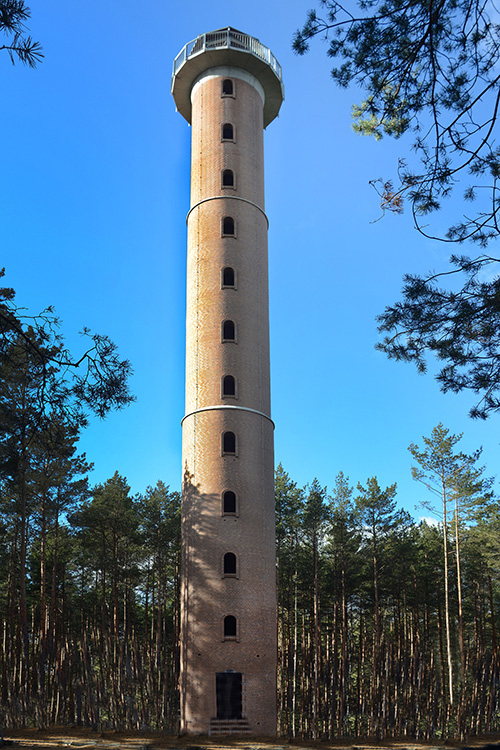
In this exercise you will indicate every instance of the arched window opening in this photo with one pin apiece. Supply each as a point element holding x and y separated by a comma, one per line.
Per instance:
<point>227,87</point>
<point>228,277</point>
<point>229,443</point>
<point>228,385</point>
<point>228,330</point>
<point>229,502</point>
<point>227,132</point>
<point>229,564</point>
<point>230,626</point>
<point>228,178</point>
<point>228,226</point>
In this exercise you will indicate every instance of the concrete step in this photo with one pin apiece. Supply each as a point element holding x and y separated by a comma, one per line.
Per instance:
<point>228,726</point>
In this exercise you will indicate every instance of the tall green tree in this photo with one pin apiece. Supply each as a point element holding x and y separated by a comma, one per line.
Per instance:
<point>378,517</point>
<point>108,528</point>
<point>46,396</point>
<point>343,542</point>
<point>454,478</point>
<point>289,499</point>
<point>160,527</point>
<point>314,521</point>
<point>23,433</point>
<point>58,482</point>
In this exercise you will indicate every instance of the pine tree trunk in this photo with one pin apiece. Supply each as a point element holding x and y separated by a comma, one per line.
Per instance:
<point>459,596</point>
<point>375,703</point>
<point>447,599</point>
<point>315,645</point>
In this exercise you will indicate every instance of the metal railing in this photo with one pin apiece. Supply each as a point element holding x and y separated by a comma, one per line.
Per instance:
<point>222,39</point>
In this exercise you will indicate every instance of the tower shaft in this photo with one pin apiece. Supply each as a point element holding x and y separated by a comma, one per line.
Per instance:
<point>228,590</point>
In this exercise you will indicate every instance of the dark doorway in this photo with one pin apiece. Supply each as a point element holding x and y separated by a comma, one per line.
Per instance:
<point>228,687</point>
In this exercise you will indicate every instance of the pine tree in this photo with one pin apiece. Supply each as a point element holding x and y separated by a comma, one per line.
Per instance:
<point>453,477</point>
<point>378,517</point>
<point>343,541</point>
<point>314,522</point>
<point>289,514</point>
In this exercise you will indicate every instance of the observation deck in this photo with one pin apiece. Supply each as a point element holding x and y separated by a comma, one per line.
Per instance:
<point>227,47</point>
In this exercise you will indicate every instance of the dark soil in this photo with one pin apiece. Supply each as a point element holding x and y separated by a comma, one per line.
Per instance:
<point>57,738</point>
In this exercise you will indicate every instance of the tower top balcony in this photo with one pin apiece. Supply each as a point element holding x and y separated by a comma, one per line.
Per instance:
<point>227,47</point>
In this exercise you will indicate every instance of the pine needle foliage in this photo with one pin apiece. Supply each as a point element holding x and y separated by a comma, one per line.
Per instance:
<point>429,71</point>
<point>428,68</point>
<point>21,47</point>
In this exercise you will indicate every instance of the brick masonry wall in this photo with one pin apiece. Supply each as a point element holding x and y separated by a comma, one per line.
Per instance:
<point>207,597</point>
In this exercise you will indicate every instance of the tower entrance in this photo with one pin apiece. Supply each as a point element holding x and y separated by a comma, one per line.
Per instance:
<point>228,691</point>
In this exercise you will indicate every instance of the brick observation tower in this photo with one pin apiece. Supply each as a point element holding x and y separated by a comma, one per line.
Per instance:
<point>228,86</point>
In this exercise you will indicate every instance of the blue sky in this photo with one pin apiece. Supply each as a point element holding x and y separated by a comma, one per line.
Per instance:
<point>94,193</point>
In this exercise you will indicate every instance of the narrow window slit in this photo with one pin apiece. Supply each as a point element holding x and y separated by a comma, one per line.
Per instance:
<point>230,626</point>
<point>229,564</point>
<point>228,279</point>
<point>228,385</point>
<point>229,443</point>
<point>228,330</point>
<point>228,178</point>
<point>229,502</point>
<point>228,226</point>
<point>227,132</point>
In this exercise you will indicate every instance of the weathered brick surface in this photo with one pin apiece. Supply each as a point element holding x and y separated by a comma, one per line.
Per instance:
<point>207,596</point>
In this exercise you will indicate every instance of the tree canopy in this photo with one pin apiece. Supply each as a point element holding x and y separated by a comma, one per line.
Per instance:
<point>461,327</point>
<point>95,380</point>
<point>429,69</point>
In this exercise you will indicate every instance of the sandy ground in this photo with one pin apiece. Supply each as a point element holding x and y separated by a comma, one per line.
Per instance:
<point>81,739</point>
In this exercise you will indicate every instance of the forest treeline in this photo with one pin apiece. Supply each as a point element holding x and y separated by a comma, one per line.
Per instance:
<point>386,627</point>
<point>371,640</point>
